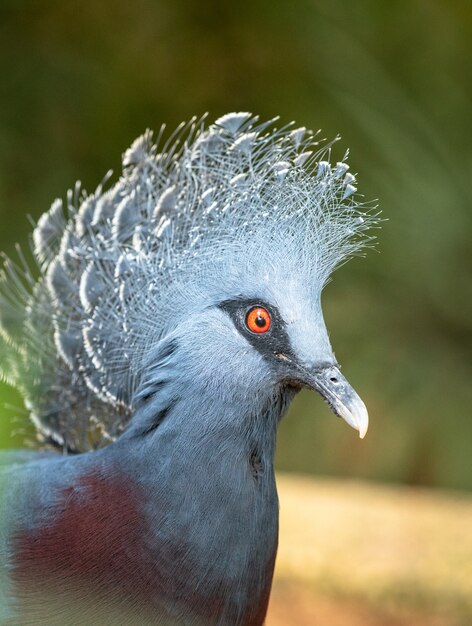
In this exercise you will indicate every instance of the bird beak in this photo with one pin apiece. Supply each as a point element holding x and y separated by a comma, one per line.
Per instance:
<point>338,393</point>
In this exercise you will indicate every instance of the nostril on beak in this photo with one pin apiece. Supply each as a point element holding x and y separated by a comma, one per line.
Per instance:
<point>333,379</point>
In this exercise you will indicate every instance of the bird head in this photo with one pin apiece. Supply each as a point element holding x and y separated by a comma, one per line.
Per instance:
<point>254,329</point>
<point>206,260</point>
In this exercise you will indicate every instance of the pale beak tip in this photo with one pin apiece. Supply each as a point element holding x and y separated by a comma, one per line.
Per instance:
<point>362,420</point>
<point>356,415</point>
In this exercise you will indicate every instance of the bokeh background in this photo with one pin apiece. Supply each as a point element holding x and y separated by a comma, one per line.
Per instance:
<point>80,80</point>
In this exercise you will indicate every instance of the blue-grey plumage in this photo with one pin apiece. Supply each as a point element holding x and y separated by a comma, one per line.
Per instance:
<point>176,317</point>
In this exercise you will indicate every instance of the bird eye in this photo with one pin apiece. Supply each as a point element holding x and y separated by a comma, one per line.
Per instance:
<point>258,320</point>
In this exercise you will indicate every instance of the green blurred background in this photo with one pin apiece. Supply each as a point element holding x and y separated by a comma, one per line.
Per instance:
<point>80,80</point>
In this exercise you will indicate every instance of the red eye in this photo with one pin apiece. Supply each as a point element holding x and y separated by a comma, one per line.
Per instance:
<point>258,320</point>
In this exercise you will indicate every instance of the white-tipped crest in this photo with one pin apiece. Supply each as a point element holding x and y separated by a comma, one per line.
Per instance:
<point>184,224</point>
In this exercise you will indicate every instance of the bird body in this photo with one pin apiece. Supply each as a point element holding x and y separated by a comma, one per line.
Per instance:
<point>175,318</point>
<point>131,535</point>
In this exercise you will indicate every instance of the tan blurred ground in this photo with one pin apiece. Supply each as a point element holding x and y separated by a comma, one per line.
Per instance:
<point>354,554</point>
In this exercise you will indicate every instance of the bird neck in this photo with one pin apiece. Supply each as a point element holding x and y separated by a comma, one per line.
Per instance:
<point>210,501</point>
<point>201,446</point>
<point>174,412</point>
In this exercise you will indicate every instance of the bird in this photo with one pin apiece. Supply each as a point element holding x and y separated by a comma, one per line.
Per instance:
<point>169,320</point>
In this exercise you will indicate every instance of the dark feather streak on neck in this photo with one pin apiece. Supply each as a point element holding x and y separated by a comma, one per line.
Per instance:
<point>158,418</point>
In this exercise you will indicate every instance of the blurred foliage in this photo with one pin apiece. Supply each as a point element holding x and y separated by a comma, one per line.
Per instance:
<point>81,80</point>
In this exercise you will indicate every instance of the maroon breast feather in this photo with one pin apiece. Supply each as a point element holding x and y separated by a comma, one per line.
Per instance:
<point>94,558</point>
